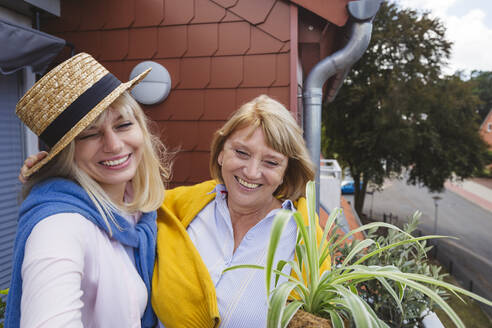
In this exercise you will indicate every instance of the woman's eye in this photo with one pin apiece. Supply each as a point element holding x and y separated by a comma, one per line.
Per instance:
<point>87,136</point>
<point>241,153</point>
<point>124,125</point>
<point>271,163</point>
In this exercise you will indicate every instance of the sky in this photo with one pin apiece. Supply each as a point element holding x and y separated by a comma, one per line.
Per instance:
<point>469,27</point>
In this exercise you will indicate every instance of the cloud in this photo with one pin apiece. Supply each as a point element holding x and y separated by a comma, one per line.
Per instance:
<point>472,41</point>
<point>437,7</point>
<point>468,32</point>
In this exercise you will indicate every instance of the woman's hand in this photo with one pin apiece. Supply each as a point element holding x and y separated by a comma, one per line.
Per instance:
<point>30,162</point>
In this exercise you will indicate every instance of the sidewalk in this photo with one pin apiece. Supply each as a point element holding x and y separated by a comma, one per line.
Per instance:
<point>477,191</point>
<point>348,220</point>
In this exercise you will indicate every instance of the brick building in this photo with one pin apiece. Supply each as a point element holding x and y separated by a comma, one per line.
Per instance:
<point>486,129</point>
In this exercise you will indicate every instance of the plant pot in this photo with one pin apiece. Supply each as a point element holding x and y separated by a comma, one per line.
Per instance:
<point>303,319</point>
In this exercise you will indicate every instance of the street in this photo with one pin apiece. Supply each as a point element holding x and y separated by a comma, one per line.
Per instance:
<point>456,216</point>
<point>469,259</point>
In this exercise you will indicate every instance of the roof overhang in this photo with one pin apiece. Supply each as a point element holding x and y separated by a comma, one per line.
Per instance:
<point>334,11</point>
<point>27,7</point>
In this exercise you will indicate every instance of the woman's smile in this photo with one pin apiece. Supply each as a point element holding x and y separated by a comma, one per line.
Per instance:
<point>117,163</point>
<point>246,184</point>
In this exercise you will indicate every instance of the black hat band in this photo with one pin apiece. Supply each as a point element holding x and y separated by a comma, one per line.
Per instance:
<point>79,108</point>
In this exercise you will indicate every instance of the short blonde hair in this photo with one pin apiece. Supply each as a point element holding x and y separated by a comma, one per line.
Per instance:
<point>282,134</point>
<point>148,184</point>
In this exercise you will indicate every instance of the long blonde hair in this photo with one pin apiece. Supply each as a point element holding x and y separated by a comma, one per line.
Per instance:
<point>148,184</point>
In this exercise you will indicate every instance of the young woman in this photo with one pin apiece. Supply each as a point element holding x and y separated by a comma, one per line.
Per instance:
<point>85,245</point>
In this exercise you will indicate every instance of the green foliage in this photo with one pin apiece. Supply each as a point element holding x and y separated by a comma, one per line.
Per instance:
<point>409,258</point>
<point>396,111</point>
<point>448,141</point>
<point>482,88</point>
<point>486,172</point>
<point>333,294</point>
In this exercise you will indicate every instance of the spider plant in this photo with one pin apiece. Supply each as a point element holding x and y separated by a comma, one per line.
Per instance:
<point>333,294</point>
<point>410,258</point>
<point>3,293</point>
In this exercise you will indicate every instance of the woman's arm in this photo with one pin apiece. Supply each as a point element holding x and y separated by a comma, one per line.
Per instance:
<point>52,272</point>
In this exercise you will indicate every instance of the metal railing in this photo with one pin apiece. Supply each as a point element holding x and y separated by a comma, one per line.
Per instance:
<point>330,183</point>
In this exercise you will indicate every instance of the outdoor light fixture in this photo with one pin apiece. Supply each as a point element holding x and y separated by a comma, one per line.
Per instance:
<point>155,87</point>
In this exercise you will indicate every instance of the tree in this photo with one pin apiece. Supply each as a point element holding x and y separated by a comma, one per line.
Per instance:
<point>482,87</point>
<point>396,112</point>
<point>450,135</point>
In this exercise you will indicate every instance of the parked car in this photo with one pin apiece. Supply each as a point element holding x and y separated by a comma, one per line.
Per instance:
<point>347,187</point>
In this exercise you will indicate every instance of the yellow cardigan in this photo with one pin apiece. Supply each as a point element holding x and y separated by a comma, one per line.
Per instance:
<point>183,294</point>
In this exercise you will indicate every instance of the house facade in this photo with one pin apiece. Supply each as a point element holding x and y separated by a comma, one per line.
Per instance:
<point>219,53</point>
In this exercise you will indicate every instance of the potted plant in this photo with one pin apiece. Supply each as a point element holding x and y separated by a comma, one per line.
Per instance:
<point>333,294</point>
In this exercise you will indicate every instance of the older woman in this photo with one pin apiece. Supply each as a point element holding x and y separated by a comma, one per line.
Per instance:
<point>85,244</point>
<point>259,164</point>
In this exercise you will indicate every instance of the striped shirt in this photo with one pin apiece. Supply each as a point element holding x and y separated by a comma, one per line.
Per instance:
<point>241,293</point>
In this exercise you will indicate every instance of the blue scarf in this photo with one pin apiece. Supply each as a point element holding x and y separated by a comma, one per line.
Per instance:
<point>55,196</point>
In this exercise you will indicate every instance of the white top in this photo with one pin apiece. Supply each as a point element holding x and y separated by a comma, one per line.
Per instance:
<point>74,275</point>
<point>241,293</point>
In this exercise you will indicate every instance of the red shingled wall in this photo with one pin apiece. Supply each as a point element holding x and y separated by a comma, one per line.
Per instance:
<point>219,53</point>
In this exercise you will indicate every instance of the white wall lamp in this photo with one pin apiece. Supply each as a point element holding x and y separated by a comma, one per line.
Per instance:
<point>155,87</point>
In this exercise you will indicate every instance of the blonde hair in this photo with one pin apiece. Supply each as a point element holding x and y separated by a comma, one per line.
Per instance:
<point>282,134</point>
<point>148,182</point>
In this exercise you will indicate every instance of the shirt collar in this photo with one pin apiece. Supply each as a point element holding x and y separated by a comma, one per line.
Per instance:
<point>220,190</point>
<point>288,205</point>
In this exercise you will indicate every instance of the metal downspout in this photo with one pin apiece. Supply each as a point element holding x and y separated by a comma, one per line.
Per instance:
<point>360,27</point>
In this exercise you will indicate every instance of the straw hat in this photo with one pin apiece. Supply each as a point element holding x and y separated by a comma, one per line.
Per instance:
<point>67,99</point>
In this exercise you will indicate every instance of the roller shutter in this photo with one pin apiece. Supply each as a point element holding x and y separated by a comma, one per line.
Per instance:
<point>11,157</point>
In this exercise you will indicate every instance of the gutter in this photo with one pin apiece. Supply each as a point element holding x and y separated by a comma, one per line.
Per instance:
<point>361,13</point>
